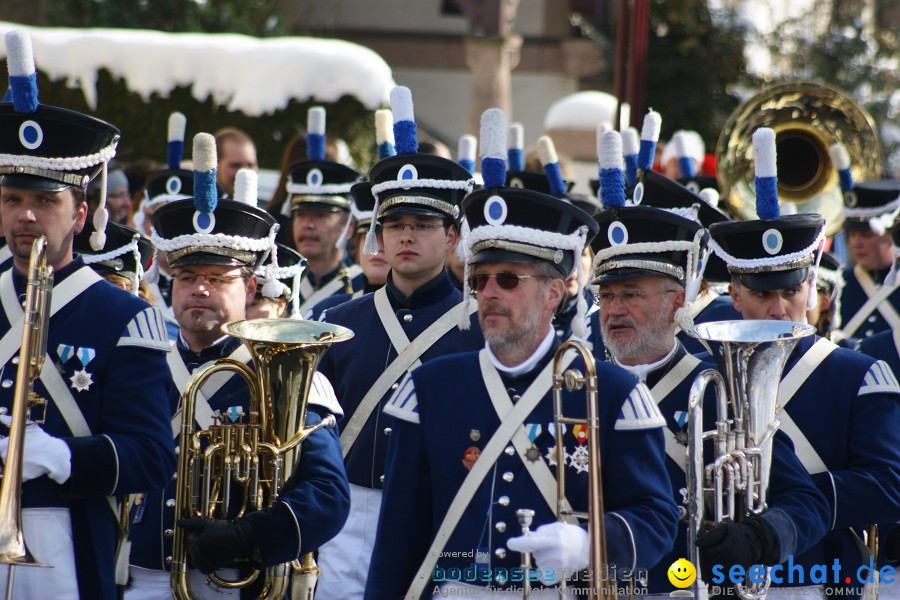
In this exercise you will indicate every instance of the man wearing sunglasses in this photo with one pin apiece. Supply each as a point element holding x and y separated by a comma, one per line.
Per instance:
<point>409,321</point>
<point>641,288</point>
<point>474,439</point>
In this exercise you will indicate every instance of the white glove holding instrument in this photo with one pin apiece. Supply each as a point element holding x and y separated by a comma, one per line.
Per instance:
<point>557,549</point>
<point>43,455</point>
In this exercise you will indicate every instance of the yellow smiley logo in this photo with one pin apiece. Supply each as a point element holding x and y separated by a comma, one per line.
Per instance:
<point>682,573</point>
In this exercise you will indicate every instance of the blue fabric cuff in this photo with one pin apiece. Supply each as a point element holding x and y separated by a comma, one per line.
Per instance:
<point>785,532</point>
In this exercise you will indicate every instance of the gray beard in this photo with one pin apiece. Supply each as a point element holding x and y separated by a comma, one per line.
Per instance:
<point>506,342</point>
<point>651,340</point>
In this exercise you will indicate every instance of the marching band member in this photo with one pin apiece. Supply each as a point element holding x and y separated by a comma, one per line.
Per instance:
<point>320,200</point>
<point>840,408</point>
<point>287,274</point>
<point>648,269</point>
<point>104,431</point>
<point>213,247</point>
<point>867,304</point>
<point>409,321</point>
<point>473,438</point>
<point>122,260</point>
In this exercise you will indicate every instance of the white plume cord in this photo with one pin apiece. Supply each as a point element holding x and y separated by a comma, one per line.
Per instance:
<point>324,189</point>
<point>770,261</point>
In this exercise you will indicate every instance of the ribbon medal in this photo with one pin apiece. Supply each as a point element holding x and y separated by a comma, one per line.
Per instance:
<point>81,379</point>
<point>551,451</point>
<point>533,430</point>
<point>579,458</point>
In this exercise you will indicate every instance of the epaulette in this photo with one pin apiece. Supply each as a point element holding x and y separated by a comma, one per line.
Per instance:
<point>879,379</point>
<point>403,404</point>
<point>639,411</point>
<point>146,330</point>
<point>322,394</point>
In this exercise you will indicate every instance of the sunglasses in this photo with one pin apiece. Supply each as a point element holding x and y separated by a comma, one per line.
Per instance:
<point>506,281</point>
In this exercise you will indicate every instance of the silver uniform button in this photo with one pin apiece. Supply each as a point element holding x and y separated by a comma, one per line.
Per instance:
<point>407,318</point>
<point>869,332</point>
<point>501,579</point>
<point>15,360</point>
<point>7,383</point>
<point>169,533</point>
<point>500,553</point>
<point>387,431</point>
<point>170,503</point>
<point>381,479</point>
<point>509,450</point>
<point>516,397</point>
<point>500,526</point>
<point>168,560</point>
<point>871,319</point>
<point>508,477</point>
<point>503,500</point>
<point>395,386</point>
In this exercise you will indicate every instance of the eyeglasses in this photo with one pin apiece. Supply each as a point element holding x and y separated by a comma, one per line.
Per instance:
<point>628,298</point>
<point>506,281</point>
<point>213,281</point>
<point>414,228</point>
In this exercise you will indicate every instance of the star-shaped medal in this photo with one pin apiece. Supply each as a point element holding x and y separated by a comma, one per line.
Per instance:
<point>532,454</point>
<point>579,459</point>
<point>551,456</point>
<point>81,380</point>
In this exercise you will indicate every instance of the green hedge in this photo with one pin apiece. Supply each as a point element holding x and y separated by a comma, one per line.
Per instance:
<point>143,124</point>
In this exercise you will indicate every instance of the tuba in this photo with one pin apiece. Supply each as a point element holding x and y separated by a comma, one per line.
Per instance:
<point>575,381</point>
<point>13,550</point>
<point>752,354</point>
<point>807,118</point>
<point>256,450</point>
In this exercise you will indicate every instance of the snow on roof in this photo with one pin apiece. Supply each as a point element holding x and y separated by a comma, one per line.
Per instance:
<point>252,75</point>
<point>581,111</point>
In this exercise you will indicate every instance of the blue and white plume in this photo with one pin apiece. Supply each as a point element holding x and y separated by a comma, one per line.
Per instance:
<point>466,152</point>
<point>246,186</point>
<point>384,133</point>
<point>840,159</point>
<point>493,147</point>
<point>22,74</point>
<point>550,162</point>
<point>515,152</point>
<point>315,133</point>
<point>205,197</point>
<point>612,174</point>
<point>685,161</point>
<point>177,126</point>
<point>766,170</point>
<point>649,138</point>
<point>631,146</point>
<point>405,139</point>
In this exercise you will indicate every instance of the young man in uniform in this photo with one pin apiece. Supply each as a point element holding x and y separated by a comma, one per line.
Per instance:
<point>474,439</point>
<point>212,285</point>
<point>104,430</point>
<point>841,409</point>
<point>409,321</point>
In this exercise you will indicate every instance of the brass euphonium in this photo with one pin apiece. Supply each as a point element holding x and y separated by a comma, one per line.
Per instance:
<point>256,450</point>
<point>574,380</point>
<point>808,119</point>
<point>31,358</point>
<point>752,354</point>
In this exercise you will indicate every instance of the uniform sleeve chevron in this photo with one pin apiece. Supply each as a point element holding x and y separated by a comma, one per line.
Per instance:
<point>322,394</point>
<point>879,379</point>
<point>639,411</point>
<point>146,330</point>
<point>403,404</point>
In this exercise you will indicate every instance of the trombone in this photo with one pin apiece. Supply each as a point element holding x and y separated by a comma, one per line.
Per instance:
<point>38,288</point>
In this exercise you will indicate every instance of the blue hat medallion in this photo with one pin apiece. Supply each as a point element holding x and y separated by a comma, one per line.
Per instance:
<point>408,173</point>
<point>495,210</point>
<point>204,222</point>
<point>638,194</point>
<point>314,178</point>
<point>772,241</point>
<point>173,185</point>
<point>516,182</point>
<point>31,135</point>
<point>617,233</point>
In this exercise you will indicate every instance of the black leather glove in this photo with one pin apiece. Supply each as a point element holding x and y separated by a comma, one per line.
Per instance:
<point>752,542</point>
<point>892,546</point>
<point>215,543</point>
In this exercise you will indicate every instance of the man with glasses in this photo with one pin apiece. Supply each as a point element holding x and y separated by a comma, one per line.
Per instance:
<point>409,321</point>
<point>641,283</point>
<point>212,284</point>
<point>474,440</point>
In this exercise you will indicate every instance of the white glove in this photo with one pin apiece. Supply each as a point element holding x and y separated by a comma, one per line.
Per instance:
<point>44,454</point>
<point>558,550</point>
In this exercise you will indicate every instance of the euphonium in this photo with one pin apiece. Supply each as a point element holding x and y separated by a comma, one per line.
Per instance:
<point>752,354</point>
<point>256,450</point>
<point>574,381</point>
<point>807,118</point>
<point>31,358</point>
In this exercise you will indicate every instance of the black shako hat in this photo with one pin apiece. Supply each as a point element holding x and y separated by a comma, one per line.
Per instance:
<point>769,254</point>
<point>419,184</point>
<point>126,251</point>
<point>321,184</point>
<point>872,205</point>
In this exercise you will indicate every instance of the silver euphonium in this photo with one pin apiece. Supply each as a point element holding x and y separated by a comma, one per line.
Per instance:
<point>752,355</point>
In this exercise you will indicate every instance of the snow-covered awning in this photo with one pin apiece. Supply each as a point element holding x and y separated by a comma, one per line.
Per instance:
<point>253,75</point>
